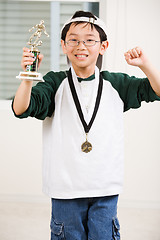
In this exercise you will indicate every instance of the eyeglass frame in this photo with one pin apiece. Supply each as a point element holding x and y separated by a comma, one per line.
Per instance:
<point>78,42</point>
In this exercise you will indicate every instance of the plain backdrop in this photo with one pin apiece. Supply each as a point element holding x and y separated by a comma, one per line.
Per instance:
<point>130,24</point>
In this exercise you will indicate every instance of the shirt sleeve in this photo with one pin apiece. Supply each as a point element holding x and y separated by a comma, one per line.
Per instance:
<point>132,90</point>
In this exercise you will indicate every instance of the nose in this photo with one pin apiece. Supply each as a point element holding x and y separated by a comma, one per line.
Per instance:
<point>81,44</point>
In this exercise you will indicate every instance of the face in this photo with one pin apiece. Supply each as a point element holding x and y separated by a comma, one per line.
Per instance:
<point>83,58</point>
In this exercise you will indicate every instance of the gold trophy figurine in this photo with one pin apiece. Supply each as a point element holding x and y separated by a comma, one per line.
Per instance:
<point>32,70</point>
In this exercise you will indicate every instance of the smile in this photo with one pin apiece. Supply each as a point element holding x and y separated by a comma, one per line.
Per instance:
<point>81,55</point>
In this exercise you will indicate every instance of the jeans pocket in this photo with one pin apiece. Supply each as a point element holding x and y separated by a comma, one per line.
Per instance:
<point>116,229</point>
<point>57,230</point>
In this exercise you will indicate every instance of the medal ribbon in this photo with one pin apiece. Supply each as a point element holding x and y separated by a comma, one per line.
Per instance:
<point>86,126</point>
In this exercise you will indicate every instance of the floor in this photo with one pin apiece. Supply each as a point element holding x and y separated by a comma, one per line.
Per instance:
<point>30,221</point>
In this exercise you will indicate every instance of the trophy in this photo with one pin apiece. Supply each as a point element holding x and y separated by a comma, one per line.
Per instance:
<point>31,73</point>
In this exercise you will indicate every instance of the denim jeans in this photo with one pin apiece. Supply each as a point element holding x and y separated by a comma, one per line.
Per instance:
<point>85,219</point>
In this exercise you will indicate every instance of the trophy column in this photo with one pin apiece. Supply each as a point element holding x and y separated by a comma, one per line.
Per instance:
<point>34,66</point>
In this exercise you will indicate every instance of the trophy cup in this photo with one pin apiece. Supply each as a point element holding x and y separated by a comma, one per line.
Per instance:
<point>31,73</point>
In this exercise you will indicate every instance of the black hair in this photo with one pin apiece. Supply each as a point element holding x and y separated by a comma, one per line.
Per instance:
<point>103,36</point>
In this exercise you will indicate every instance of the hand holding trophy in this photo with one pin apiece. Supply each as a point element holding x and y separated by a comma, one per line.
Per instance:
<point>31,73</point>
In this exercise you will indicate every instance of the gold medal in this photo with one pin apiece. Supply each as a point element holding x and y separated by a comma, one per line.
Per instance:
<point>86,146</point>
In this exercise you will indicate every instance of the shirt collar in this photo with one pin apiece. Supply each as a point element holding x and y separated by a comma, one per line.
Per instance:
<point>92,77</point>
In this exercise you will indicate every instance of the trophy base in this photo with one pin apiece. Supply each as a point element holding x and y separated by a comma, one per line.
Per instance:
<point>30,76</point>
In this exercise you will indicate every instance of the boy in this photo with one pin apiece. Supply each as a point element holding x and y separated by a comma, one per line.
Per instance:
<point>83,136</point>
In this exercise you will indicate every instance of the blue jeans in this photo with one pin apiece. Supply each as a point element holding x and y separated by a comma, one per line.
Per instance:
<point>85,219</point>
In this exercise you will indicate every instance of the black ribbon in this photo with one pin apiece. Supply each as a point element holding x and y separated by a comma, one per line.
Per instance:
<point>77,103</point>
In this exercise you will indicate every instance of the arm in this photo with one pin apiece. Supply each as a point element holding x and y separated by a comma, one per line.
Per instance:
<point>136,57</point>
<point>30,30</point>
<point>23,94</point>
<point>22,97</point>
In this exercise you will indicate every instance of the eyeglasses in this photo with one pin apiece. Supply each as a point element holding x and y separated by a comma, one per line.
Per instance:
<point>74,42</point>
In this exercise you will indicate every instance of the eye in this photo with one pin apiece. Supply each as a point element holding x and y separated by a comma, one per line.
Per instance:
<point>73,40</point>
<point>90,40</point>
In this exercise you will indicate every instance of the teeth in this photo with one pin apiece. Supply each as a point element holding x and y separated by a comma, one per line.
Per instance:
<point>81,55</point>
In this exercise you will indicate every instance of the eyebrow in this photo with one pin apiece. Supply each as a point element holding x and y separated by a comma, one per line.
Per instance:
<point>74,34</point>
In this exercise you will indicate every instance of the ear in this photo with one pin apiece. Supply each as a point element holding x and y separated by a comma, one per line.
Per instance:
<point>103,48</point>
<point>63,47</point>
